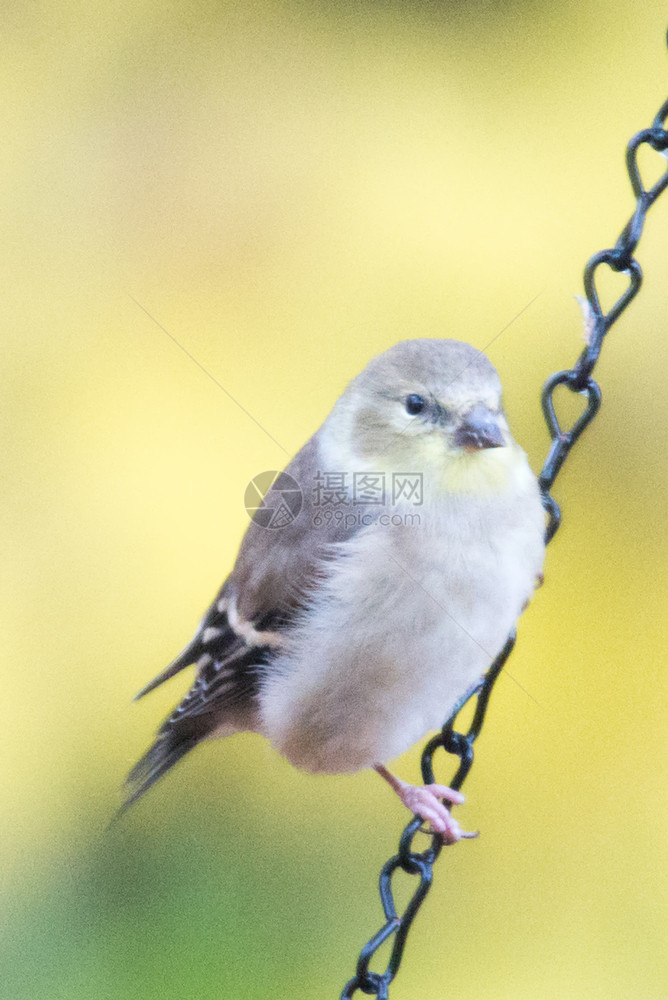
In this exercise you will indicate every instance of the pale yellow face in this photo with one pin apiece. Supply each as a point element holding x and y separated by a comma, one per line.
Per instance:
<point>433,407</point>
<point>463,470</point>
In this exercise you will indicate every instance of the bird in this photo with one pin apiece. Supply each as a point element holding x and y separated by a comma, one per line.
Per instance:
<point>379,577</point>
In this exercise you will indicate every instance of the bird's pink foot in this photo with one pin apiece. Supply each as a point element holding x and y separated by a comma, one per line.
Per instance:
<point>426,801</point>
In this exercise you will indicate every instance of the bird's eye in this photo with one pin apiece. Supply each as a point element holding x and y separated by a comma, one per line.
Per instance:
<point>414,404</point>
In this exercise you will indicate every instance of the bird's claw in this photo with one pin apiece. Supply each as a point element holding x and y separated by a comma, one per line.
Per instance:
<point>426,802</point>
<point>463,835</point>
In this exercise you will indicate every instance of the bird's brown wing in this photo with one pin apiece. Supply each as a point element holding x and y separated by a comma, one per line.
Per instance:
<point>275,572</point>
<point>224,691</point>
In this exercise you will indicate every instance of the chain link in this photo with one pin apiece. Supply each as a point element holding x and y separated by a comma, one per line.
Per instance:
<point>577,379</point>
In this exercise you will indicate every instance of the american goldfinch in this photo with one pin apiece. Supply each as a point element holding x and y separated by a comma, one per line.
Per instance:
<point>380,575</point>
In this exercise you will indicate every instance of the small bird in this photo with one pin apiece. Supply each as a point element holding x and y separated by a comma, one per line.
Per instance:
<point>379,577</point>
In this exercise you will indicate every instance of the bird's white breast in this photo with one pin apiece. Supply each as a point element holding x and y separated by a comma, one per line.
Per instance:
<point>406,620</point>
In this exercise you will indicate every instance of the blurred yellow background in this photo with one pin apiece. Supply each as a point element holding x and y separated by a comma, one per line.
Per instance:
<point>287,189</point>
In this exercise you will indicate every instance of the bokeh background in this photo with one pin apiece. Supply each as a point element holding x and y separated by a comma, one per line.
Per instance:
<point>285,189</point>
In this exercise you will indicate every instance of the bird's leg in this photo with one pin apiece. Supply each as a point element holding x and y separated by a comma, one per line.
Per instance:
<point>425,801</point>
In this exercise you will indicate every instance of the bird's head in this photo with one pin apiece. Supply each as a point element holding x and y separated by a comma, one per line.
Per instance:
<point>434,405</point>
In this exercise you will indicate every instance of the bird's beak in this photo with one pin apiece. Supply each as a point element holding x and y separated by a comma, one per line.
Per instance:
<point>479,429</point>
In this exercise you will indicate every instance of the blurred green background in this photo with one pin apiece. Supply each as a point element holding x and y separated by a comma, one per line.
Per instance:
<point>287,189</point>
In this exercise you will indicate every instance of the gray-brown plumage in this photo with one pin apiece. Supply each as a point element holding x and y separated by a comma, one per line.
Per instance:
<point>342,641</point>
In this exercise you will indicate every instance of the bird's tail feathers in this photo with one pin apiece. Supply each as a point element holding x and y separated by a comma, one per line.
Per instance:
<point>172,744</point>
<point>185,658</point>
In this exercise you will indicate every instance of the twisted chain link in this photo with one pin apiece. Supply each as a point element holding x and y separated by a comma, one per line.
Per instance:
<point>577,379</point>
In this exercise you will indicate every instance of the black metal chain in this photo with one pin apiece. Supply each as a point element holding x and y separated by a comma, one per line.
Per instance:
<point>578,379</point>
